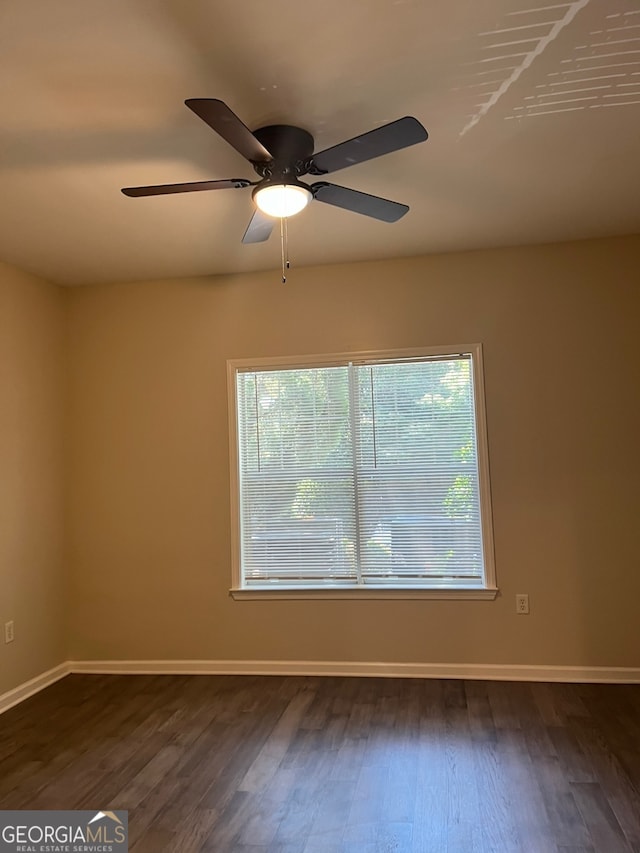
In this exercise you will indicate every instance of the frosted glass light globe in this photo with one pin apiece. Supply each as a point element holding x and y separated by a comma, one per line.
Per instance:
<point>282,200</point>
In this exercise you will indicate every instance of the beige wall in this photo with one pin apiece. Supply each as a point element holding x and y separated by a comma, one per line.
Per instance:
<point>149,467</point>
<point>31,476</point>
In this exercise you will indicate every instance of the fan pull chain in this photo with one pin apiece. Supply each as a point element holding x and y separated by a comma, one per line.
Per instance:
<point>286,243</point>
<point>284,247</point>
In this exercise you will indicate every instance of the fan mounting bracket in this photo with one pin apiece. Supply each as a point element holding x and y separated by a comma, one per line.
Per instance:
<point>291,149</point>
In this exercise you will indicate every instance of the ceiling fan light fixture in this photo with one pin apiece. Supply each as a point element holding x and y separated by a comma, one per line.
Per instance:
<point>280,154</point>
<point>282,200</point>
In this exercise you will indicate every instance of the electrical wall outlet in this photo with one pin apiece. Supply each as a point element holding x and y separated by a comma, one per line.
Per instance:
<point>8,632</point>
<point>522,603</point>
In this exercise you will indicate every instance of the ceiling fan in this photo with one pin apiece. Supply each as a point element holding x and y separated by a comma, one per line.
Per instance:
<point>281,154</point>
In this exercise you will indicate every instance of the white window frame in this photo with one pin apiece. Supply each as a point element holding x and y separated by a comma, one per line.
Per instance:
<point>488,590</point>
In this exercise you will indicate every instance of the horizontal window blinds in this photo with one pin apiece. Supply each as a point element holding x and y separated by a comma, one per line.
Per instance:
<point>361,473</point>
<point>296,475</point>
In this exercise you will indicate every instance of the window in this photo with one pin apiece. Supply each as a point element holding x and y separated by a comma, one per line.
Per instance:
<point>361,474</point>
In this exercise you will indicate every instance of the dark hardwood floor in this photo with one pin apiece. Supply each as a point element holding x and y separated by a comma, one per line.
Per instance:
<point>316,765</point>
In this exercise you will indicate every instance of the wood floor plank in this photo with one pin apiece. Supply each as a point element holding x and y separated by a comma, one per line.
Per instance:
<point>481,723</point>
<point>154,841</point>
<point>604,829</point>
<point>496,807</point>
<point>251,764</point>
<point>622,794</point>
<point>431,809</point>
<point>503,708</point>
<point>529,813</point>
<point>566,821</point>
<point>563,848</point>
<point>576,767</point>
<point>268,760</point>
<point>312,775</point>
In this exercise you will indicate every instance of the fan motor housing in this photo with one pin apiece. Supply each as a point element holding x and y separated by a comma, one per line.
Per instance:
<point>291,148</point>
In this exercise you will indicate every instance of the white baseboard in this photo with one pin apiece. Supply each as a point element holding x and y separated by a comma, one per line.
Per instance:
<point>484,672</point>
<point>34,685</point>
<point>488,672</point>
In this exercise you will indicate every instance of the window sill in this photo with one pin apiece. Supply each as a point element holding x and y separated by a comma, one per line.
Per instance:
<point>368,593</point>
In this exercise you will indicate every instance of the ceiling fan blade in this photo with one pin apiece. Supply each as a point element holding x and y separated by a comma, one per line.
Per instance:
<point>382,140</point>
<point>259,229</point>
<point>368,205</point>
<point>225,122</point>
<point>191,187</point>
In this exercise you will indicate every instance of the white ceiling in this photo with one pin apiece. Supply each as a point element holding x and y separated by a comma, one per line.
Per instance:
<point>533,111</point>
